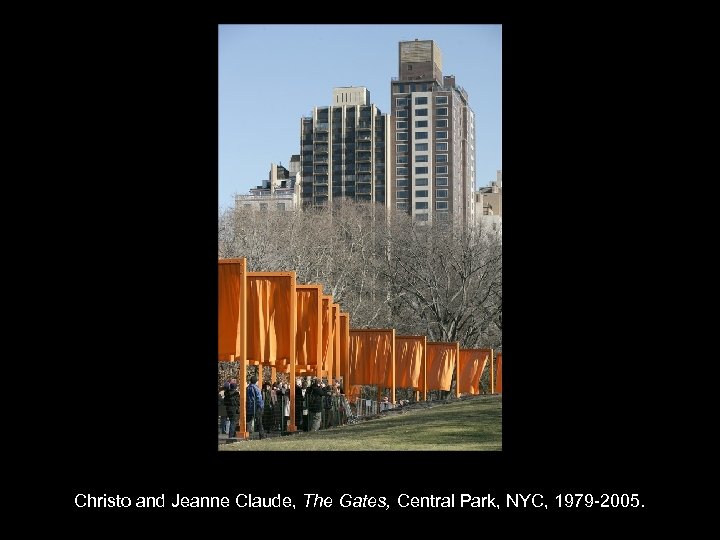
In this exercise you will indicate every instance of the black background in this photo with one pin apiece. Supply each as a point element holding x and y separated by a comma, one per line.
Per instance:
<point>132,117</point>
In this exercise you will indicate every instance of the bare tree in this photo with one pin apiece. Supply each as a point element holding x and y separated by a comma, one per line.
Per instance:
<point>445,282</point>
<point>419,278</point>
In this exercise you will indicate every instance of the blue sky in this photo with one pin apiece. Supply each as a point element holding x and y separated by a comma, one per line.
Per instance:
<point>272,75</point>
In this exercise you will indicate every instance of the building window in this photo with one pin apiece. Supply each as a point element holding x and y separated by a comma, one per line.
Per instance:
<point>441,169</point>
<point>441,111</point>
<point>441,158</point>
<point>440,100</point>
<point>420,101</point>
<point>439,147</point>
<point>401,102</point>
<point>402,136</point>
<point>441,123</point>
<point>421,206</point>
<point>441,193</point>
<point>421,147</point>
<point>401,171</point>
<point>441,205</point>
<point>421,123</point>
<point>401,125</point>
<point>421,159</point>
<point>247,206</point>
<point>401,114</point>
<point>421,217</point>
<point>441,181</point>
<point>401,206</point>
<point>421,170</point>
<point>281,206</point>
<point>421,134</point>
<point>263,207</point>
<point>402,182</point>
<point>421,112</point>
<point>440,134</point>
<point>421,181</point>
<point>403,147</point>
<point>401,194</point>
<point>401,159</point>
<point>421,193</point>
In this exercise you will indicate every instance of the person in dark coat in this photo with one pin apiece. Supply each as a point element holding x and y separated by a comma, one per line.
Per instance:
<point>232,407</point>
<point>301,408</point>
<point>268,395</point>
<point>276,399</point>
<point>254,407</point>
<point>315,396</point>
<point>284,392</point>
<point>222,412</point>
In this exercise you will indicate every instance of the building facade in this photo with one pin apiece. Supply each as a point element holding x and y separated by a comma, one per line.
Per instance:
<point>488,204</point>
<point>344,151</point>
<point>280,192</point>
<point>433,137</point>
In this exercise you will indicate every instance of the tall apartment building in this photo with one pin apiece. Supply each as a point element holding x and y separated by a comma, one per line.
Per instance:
<point>433,130</point>
<point>344,150</point>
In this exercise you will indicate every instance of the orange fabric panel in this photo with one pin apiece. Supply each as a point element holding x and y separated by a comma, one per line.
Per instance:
<point>344,344</point>
<point>269,317</point>
<point>409,353</point>
<point>441,361</point>
<point>470,367</point>
<point>308,326</point>
<point>359,366</point>
<point>336,342</point>
<point>229,280</point>
<point>328,337</point>
<point>388,363</point>
<point>498,378</point>
<point>371,357</point>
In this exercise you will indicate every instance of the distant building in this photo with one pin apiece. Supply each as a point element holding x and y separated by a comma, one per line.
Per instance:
<point>433,133</point>
<point>344,150</point>
<point>279,192</point>
<point>488,203</point>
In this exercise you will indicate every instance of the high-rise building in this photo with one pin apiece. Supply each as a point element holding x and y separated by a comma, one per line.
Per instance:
<point>344,151</point>
<point>433,133</point>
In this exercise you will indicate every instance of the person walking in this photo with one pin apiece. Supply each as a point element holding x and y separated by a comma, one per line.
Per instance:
<point>232,408</point>
<point>222,411</point>
<point>254,408</point>
<point>283,396</point>
<point>315,396</point>
<point>268,396</point>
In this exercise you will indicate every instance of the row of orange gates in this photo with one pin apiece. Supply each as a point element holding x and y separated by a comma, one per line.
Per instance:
<point>267,319</point>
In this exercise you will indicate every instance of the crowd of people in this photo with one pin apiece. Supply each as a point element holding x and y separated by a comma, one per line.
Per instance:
<point>317,405</point>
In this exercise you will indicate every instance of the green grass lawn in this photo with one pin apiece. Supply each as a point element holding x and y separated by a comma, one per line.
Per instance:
<point>471,424</point>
